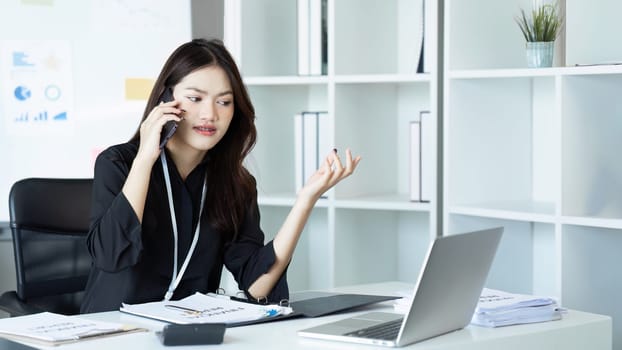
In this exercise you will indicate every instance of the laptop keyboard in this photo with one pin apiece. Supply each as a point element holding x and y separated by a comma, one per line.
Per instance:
<point>384,331</point>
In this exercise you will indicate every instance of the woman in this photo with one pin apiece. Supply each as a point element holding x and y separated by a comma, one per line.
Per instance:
<point>166,219</point>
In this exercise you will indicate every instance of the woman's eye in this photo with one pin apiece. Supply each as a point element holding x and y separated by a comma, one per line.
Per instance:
<point>224,102</point>
<point>194,98</point>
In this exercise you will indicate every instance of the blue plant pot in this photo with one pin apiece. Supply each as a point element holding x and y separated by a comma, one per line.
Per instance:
<point>540,54</point>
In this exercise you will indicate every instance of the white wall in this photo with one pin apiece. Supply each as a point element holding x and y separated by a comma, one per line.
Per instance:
<point>88,48</point>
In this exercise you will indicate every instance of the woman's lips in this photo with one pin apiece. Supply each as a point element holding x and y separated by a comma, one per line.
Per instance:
<point>205,130</point>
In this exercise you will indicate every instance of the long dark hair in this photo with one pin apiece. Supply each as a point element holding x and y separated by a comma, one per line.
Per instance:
<point>231,188</point>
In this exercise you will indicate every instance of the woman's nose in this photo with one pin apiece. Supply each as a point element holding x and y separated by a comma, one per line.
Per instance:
<point>207,112</point>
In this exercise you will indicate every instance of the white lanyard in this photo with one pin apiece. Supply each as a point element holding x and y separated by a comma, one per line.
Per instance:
<point>177,278</point>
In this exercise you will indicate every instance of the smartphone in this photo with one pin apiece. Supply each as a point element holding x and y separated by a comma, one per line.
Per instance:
<point>171,126</point>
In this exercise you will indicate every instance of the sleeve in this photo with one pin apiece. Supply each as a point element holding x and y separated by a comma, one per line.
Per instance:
<point>114,239</point>
<point>248,258</point>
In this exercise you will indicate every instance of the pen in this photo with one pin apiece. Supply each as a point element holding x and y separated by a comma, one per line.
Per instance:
<point>234,298</point>
<point>184,309</point>
<point>243,300</point>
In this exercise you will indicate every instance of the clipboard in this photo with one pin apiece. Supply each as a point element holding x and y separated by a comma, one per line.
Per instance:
<point>317,304</point>
<point>235,312</point>
<point>200,308</point>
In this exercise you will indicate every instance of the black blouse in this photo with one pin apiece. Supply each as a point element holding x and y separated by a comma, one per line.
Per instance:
<point>132,263</point>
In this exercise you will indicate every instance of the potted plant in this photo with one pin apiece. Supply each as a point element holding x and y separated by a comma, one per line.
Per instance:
<point>540,30</point>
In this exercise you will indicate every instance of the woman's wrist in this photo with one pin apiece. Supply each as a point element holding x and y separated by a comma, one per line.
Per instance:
<point>145,159</point>
<point>306,201</point>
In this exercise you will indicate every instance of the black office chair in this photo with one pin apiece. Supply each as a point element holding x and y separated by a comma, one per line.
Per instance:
<point>49,223</point>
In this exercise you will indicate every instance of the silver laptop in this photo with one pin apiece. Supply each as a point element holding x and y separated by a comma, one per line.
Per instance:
<point>445,296</point>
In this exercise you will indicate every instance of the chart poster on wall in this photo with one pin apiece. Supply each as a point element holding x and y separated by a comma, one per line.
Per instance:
<point>37,86</point>
<point>74,77</point>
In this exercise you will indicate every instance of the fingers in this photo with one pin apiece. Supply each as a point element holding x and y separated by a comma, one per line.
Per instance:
<point>350,164</point>
<point>169,110</point>
<point>164,112</point>
<point>337,169</point>
<point>337,166</point>
<point>151,127</point>
<point>332,170</point>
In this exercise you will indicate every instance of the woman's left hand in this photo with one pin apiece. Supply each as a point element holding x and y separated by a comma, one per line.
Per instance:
<point>329,174</point>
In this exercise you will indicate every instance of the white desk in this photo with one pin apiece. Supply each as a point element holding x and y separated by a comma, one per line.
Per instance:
<point>577,330</point>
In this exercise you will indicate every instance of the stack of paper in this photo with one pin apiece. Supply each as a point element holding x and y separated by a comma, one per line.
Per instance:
<point>54,329</point>
<point>497,308</point>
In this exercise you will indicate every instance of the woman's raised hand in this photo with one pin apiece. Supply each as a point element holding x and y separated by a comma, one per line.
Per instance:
<point>331,171</point>
<point>151,127</point>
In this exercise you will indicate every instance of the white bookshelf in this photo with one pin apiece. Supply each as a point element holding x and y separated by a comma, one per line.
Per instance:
<point>536,150</point>
<point>366,230</point>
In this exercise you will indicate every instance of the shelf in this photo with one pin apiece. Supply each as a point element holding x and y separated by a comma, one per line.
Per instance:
<point>593,70</point>
<point>588,20</point>
<point>377,245</point>
<point>285,80</point>
<point>534,72</point>
<point>339,79</point>
<point>589,277</point>
<point>382,78</point>
<point>591,143</point>
<point>592,222</point>
<point>373,120</point>
<point>536,150</point>
<point>378,202</point>
<point>312,265</point>
<point>382,202</point>
<point>543,212</point>
<point>504,73</point>
<point>374,39</point>
<point>286,200</point>
<point>371,92</point>
<point>272,160</point>
<point>526,258</point>
<point>267,33</point>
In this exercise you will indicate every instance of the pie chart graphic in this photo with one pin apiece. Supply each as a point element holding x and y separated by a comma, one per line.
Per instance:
<point>52,92</point>
<point>22,93</point>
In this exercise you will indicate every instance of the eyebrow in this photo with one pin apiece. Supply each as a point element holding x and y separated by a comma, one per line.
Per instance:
<point>227,92</point>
